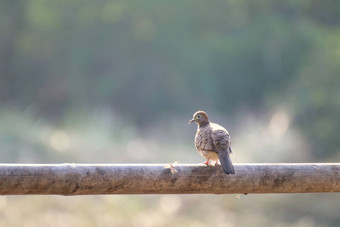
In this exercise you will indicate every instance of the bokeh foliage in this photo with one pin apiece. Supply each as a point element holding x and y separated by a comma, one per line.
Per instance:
<point>146,59</point>
<point>108,76</point>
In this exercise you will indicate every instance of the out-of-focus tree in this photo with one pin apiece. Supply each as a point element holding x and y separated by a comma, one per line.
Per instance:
<point>144,59</point>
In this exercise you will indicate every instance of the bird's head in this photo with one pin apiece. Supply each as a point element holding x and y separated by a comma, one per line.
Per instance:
<point>200,117</point>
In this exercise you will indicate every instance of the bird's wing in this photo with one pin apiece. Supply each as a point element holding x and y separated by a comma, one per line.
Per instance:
<point>221,139</point>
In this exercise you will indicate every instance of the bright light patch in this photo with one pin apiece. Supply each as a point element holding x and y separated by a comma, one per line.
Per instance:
<point>170,203</point>
<point>137,149</point>
<point>3,202</point>
<point>279,124</point>
<point>60,140</point>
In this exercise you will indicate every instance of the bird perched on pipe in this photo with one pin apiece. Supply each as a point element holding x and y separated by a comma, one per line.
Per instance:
<point>212,141</point>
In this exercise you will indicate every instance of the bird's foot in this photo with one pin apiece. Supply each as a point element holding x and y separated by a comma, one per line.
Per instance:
<point>207,163</point>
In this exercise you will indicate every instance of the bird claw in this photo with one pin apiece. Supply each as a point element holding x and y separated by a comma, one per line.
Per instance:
<point>207,163</point>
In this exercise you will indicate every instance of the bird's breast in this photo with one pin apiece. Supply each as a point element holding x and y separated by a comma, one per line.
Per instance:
<point>208,154</point>
<point>203,141</point>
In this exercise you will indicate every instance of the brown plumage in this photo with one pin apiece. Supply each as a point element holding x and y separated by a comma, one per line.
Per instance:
<point>212,141</point>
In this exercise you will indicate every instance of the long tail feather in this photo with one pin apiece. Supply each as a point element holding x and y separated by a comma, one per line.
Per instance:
<point>226,163</point>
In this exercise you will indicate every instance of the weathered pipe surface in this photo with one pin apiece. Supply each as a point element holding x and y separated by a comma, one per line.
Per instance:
<point>89,179</point>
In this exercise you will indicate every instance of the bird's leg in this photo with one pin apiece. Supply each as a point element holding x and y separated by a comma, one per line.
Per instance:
<point>207,162</point>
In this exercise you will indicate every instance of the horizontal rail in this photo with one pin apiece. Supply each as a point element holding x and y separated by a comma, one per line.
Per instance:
<point>90,179</point>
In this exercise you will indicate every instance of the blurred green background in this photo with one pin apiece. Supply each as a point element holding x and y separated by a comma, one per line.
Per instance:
<point>117,81</point>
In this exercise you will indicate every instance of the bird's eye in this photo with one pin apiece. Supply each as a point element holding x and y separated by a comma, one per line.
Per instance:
<point>198,116</point>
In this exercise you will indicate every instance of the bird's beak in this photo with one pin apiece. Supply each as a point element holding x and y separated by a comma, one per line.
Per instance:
<point>192,120</point>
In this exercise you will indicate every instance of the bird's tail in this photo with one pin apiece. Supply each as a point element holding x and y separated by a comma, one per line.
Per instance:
<point>230,150</point>
<point>226,163</point>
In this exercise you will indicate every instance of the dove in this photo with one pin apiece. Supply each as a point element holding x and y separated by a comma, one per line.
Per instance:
<point>212,141</point>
